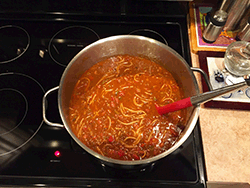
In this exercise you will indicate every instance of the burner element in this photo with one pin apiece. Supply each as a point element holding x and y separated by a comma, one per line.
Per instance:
<point>13,110</point>
<point>20,107</point>
<point>66,43</point>
<point>149,33</point>
<point>14,41</point>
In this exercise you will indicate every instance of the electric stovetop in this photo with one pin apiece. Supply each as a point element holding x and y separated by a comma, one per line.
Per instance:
<point>35,48</point>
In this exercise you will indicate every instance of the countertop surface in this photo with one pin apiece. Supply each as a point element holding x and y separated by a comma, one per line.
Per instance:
<point>226,141</point>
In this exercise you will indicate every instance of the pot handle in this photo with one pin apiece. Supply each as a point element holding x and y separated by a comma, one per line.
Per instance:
<point>44,109</point>
<point>204,76</point>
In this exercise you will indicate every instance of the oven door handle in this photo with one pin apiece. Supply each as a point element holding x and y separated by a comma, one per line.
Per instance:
<point>44,108</point>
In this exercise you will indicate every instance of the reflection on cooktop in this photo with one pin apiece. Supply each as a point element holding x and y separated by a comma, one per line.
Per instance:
<point>19,108</point>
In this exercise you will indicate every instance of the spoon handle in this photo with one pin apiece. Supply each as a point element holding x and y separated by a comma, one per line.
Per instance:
<point>207,96</point>
<point>201,98</point>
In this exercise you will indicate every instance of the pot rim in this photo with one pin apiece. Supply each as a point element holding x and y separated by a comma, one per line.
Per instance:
<point>193,118</point>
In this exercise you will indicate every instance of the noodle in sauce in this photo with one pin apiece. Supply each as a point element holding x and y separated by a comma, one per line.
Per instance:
<point>112,108</point>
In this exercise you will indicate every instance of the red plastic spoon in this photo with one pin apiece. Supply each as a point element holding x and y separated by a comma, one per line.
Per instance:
<point>201,98</point>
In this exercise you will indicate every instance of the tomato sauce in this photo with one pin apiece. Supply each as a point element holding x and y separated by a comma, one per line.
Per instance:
<point>112,108</point>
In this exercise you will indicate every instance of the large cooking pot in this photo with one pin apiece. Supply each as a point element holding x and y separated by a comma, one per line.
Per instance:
<point>136,46</point>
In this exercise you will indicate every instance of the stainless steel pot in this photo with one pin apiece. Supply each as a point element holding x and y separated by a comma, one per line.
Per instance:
<point>136,46</point>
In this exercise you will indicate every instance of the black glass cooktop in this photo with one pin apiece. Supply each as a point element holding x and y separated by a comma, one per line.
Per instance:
<point>34,54</point>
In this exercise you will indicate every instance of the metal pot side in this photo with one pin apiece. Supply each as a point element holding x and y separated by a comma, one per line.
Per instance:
<point>136,46</point>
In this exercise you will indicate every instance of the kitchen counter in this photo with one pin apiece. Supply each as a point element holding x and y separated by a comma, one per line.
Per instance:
<point>226,140</point>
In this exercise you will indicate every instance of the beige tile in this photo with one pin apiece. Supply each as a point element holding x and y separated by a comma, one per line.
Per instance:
<point>226,141</point>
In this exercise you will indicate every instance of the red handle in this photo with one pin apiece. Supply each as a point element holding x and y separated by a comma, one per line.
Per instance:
<point>178,105</point>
